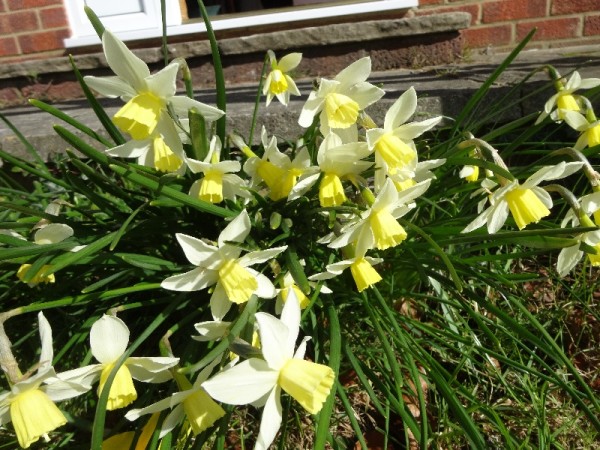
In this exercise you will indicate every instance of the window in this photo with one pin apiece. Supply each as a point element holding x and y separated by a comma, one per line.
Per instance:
<point>140,19</point>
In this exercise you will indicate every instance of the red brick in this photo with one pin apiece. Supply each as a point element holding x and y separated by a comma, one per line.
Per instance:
<point>591,26</point>
<point>480,37</point>
<point>549,29</point>
<point>560,7</point>
<point>14,5</point>
<point>505,10</point>
<point>16,22</point>
<point>43,41</point>
<point>8,46</point>
<point>430,2</point>
<point>10,96</point>
<point>471,9</point>
<point>2,6</point>
<point>55,17</point>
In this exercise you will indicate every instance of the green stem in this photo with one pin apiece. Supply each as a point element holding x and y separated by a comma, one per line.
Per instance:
<point>219,76</point>
<point>257,100</point>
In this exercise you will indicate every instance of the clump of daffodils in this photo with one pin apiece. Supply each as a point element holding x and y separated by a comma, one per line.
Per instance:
<point>351,185</point>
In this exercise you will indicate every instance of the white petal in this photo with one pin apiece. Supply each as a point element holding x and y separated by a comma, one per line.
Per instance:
<point>589,83</point>
<point>163,83</point>
<point>401,110</point>
<point>265,286</point>
<point>242,384</point>
<point>58,389</point>
<point>270,421</point>
<point>237,230</point>
<point>131,149</point>
<point>219,303</point>
<point>356,72</point>
<point>373,136</point>
<point>412,130</point>
<point>160,405</point>
<point>497,218</point>
<point>211,330</point>
<point>260,256</point>
<point>194,280</point>
<point>124,63</point>
<point>53,233</point>
<point>365,94</point>
<point>274,340</point>
<point>576,120</point>
<point>85,376</point>
<point>109,337</point>
<point>567,259</point>
<point>173,419</point>
<point>310,109</point>
<point>196,250</point>
<point>290,317</point>
<point>151,369</point>
<point>289,62</point>
<point>46,354</point>
<point>110,87</point>
<point>183,104</point>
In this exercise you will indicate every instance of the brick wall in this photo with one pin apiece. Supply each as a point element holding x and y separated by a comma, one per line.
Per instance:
<point>31,29</point>
<point>501,24</point>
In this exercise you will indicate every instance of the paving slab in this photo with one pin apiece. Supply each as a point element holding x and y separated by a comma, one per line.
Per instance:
<point>442,90</point>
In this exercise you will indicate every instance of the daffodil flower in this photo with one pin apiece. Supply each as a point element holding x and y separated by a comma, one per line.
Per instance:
<point>361,268</point>
<point>570,256</point>
<point>278,83</point>
<point>30,404</point>
<point>52,233</point>
<point>222,265</point>
<point>590,130</point>
<point>146,95</point>
<point>377,227</point>
<point>109,337</point>
<point>219,181</point>
<point>527,202</point>
<point>276,169</point>
<point>260,381</point>
<point>337,161</point>
<point>564,101</point>
<point>161,149</point>
<point>393,144</point>
<point>191,403</point>
<point>339,101</point>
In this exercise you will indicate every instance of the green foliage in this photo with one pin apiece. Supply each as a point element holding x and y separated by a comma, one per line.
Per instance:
<point>469,340</point>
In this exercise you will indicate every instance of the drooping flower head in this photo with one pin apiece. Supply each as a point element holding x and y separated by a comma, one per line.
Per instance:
<point>222,265</point>
<point>109,338</point>
<point>564,100</point>
<point>278,83</point>
<point>30,404</point>
<point>146,95</point>
<point>220,180</point>
<point>377,227</point>
<point>275,168</point>
<point>394,143</point>
<point>191,403</point>
<point>339,101</point>
<point>527,202</point>
<point>48,234</point>
<point>162,149</point>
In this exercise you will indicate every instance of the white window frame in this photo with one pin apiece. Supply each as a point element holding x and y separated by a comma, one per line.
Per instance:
<point>175,27</point>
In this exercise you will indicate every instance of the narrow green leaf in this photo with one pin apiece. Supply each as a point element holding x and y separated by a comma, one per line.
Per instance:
<point>69,120</point>
<point>335,352</point>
